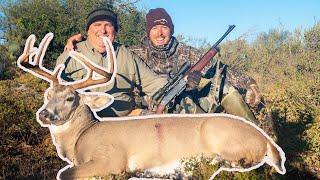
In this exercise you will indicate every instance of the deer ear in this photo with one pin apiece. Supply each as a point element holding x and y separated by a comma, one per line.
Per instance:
<point>96,101</point>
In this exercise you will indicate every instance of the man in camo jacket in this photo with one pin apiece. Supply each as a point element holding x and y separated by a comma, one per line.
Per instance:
<point>165,55</point>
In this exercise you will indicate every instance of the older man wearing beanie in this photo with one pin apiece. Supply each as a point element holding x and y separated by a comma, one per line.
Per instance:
<point>164,54</point>
<point>130,68</point>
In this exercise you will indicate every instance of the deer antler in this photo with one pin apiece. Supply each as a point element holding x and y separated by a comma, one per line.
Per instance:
<point>31,61</point>
<point>34,66</point>
<point>90,81</point>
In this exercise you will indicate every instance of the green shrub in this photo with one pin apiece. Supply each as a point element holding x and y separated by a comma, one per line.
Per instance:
<point>312,38</point>
<point>26,148</point>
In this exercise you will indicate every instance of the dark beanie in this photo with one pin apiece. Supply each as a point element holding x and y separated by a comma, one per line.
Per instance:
<point>158,16</point>
<point>101,14</point>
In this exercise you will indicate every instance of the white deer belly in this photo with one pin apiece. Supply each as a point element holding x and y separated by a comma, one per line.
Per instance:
<point>165,169</point>
<point>169,168</point>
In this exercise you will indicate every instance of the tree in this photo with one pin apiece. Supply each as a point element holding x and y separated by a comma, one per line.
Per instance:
<point>312,38</point>
<point>274,39</point>
<point>64,18</point>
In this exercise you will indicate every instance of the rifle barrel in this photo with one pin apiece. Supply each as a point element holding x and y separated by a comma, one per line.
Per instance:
<point>231,27</point>
<point>206,58</point>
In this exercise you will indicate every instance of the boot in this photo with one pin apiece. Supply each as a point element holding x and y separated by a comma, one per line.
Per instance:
<point>234,104</point>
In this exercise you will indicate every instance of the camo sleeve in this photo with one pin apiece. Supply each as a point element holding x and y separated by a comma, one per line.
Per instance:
<point>246,86</point>
<point>149,81</point>
<point>239,80</point>
<point>191,54</point>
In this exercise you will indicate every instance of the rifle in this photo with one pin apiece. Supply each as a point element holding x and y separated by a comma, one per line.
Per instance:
<point>176,85</point>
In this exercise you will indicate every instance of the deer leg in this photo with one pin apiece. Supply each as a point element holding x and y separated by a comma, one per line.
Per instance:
<point>92,168</point>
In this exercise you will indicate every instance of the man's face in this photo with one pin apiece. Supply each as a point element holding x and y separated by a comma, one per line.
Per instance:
<point>97,30</point>
<point>160,35</point>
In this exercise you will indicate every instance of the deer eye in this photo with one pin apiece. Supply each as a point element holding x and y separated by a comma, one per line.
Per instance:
<point>70,99</point>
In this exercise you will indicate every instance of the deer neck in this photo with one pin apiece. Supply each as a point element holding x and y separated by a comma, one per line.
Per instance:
<point>67,135</point>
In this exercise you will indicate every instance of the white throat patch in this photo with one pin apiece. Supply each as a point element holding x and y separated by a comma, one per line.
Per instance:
<point>61,128</point>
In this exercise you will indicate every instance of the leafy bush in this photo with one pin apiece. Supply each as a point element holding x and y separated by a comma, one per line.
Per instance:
<point>26,148</point>
<point>287,72</point>
<point>312,38</point>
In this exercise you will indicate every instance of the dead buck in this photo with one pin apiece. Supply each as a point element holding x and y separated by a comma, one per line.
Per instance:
<point>95,146</point>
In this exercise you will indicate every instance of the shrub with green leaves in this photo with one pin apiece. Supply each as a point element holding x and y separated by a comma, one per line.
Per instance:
<point>26,148</point>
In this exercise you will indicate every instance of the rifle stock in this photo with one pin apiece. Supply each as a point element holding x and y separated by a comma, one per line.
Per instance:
<point>204,60</point>
<point>170,88</point>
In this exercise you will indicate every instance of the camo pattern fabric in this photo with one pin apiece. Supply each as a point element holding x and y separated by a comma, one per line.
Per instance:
<point>168,60</point>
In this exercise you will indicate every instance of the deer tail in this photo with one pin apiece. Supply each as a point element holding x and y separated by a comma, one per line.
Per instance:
<point>276,157</point>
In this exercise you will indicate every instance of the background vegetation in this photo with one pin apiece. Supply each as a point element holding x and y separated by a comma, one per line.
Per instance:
<point>285,64</point>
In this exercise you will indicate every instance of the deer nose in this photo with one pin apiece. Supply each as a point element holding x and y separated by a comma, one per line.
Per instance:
<point>44,114</point>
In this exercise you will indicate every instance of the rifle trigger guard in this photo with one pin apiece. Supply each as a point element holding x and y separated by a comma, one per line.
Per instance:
<point>171,75</point>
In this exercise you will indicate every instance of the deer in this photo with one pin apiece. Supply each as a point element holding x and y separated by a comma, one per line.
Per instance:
<point>95,146</point>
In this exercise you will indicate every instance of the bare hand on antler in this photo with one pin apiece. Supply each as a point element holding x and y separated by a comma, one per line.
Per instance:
<point>72,41</point>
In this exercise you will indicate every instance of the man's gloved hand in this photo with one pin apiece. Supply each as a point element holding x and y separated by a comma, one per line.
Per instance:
<point>193,80</point>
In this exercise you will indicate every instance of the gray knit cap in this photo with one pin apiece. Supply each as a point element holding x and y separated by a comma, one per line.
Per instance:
<point>102,14</point>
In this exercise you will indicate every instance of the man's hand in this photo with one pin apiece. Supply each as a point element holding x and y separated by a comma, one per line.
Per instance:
<point>253,96</point>
<point>72,41</point>
<point>193,80</point>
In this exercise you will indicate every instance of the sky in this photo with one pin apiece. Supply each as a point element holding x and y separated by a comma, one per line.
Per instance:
<point>209,19</point>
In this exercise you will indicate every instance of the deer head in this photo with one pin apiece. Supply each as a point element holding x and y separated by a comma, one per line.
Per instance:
<point>62,99</point>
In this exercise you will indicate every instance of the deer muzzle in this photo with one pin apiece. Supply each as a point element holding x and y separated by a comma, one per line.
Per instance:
<point>46,117</point>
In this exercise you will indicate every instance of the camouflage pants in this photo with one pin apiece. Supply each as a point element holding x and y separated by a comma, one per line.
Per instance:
<point>208,101</point>
<point>203,101</point>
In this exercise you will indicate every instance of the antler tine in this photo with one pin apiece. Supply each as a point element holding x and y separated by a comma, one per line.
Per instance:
<point>43,48</point>
<point>25,60</point>
<point>110,53</point>
<point>89,64</point>
<point>89,81</point>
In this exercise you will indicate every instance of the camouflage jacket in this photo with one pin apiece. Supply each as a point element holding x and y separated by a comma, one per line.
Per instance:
<point>170,58</point>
